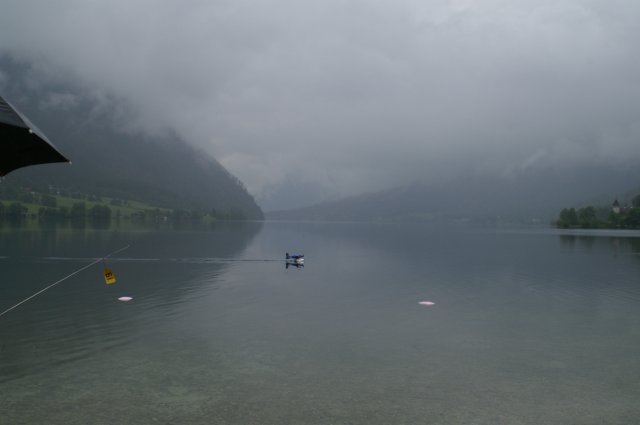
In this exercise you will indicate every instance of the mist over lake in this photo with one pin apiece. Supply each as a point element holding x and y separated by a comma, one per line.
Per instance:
<point>528,325</point>
<point>417,154</point>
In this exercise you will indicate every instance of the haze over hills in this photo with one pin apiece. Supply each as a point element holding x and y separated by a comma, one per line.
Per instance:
<point>114,156</point>
<point>110,157</point>
<point>313,103</point>
<point>535,195</point>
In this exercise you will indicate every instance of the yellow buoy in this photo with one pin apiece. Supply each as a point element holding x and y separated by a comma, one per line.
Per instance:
<point>109,277</point>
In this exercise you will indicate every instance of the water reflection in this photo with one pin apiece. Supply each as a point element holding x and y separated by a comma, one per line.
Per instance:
<point>154,222</point>
<point>82,316</point>
<point>521,320</point>
<point>230,237</point>
<point>627,242</point>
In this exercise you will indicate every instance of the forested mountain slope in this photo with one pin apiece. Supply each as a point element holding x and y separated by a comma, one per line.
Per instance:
<point>111,158</point>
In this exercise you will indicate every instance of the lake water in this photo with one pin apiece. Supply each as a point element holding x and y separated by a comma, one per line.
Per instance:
<point>529,326</point>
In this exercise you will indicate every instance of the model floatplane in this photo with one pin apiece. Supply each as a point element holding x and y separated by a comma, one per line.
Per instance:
<point>294,259</point>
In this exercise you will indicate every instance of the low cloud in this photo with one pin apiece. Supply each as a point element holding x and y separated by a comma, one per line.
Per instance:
<point>343,97</point>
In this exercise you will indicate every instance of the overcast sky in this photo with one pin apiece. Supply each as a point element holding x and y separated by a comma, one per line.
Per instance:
<point>329,98</point>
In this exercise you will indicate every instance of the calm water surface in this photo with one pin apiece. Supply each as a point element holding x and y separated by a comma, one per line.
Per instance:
<point>529,326</point>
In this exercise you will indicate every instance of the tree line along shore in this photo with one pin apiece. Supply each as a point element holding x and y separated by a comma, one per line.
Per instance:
<point>616,216</point>
<point>25,204</point>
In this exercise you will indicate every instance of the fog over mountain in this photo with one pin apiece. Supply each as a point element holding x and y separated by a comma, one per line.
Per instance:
<point>312,101</point>
<point>110,158</point>
<point>534,197</point>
